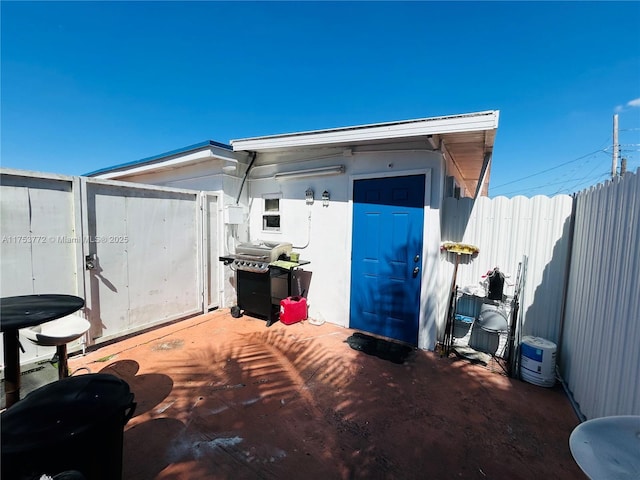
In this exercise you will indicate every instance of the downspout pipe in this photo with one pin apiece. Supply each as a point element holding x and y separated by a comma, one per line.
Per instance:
<point>483,173</point>
<point>232,228</point>
<point>246,174</point>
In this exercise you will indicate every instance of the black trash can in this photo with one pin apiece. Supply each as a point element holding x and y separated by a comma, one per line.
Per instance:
<point>76,423</point>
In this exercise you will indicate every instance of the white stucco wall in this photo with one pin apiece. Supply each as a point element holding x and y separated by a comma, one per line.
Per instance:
<point>323,234</point>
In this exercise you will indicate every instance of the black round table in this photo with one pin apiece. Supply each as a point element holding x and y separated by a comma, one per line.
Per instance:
<point>23,312</point>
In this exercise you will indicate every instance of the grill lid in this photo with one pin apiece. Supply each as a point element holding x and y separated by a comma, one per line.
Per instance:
<point>263,251</point>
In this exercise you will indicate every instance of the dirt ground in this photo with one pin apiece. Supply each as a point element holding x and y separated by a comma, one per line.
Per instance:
<point>225,398</point>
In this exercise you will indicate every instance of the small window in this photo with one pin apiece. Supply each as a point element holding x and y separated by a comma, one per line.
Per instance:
<point>271,214</point>
<point>271,222</point>
<point>272,205</point>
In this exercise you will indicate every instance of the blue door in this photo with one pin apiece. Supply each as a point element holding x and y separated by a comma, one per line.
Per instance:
<point>388,219</point>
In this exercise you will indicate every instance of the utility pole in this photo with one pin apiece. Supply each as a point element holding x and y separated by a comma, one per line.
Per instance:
<point>614,160</point>
<point>623,166</point>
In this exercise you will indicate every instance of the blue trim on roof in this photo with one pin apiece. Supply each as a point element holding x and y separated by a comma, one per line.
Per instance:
<point>157,158</point>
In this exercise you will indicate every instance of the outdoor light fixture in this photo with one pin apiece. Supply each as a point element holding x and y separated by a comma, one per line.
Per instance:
<point>309,196</point>
<point>311,172</point>
<point>325,199</point>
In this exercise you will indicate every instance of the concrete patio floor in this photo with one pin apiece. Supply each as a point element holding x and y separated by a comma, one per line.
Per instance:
<point>225,398</point>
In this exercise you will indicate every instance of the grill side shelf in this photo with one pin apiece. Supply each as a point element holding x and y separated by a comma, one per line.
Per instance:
<point>226,260</point>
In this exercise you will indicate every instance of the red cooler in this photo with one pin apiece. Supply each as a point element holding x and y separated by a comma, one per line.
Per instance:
<point>293,309</point>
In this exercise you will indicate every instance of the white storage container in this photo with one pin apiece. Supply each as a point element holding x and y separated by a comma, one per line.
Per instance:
<point>538,361</point>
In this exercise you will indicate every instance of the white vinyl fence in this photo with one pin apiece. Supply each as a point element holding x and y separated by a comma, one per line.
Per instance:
<point>582,287</point>
<point>151,250</point>
<point>506,230</point>
<point>600,355</point>
<point>37,216</point>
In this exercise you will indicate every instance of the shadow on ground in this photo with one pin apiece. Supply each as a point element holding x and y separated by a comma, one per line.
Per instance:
<point>229,398</point>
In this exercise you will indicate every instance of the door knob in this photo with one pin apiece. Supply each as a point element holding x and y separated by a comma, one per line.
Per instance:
<point>415,271</point>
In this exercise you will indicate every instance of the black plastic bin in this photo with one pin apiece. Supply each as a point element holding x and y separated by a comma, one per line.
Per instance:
<point>76,423</point>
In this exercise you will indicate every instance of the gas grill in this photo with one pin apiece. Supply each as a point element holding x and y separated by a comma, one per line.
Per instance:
<point>260,286</point>
<point>256,257</point>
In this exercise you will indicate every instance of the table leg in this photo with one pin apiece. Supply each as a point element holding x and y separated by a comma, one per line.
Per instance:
<point>63,364</point>
<point>11,367</point>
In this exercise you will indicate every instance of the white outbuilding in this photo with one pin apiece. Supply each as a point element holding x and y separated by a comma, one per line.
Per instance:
<point>361,204</point>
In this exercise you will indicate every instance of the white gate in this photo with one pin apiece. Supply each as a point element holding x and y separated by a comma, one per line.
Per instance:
<point>139,255</point>
<point>145,254</point>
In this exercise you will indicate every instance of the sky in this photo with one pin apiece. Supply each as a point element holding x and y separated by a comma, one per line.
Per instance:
<point>88,85</point>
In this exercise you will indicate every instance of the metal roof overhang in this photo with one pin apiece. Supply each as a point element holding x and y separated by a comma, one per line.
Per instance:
<point>466,141</point>
<point>191,154</point>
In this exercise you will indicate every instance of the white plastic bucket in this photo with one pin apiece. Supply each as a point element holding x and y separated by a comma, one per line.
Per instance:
<point>538,361</point>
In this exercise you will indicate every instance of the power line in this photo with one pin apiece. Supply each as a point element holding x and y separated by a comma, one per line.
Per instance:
<point>564,178</point>
<point>582,180</point>
<point>576,184</point>
<point>605,146</point>
<point>590,181</point>
<point>548,169</point>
